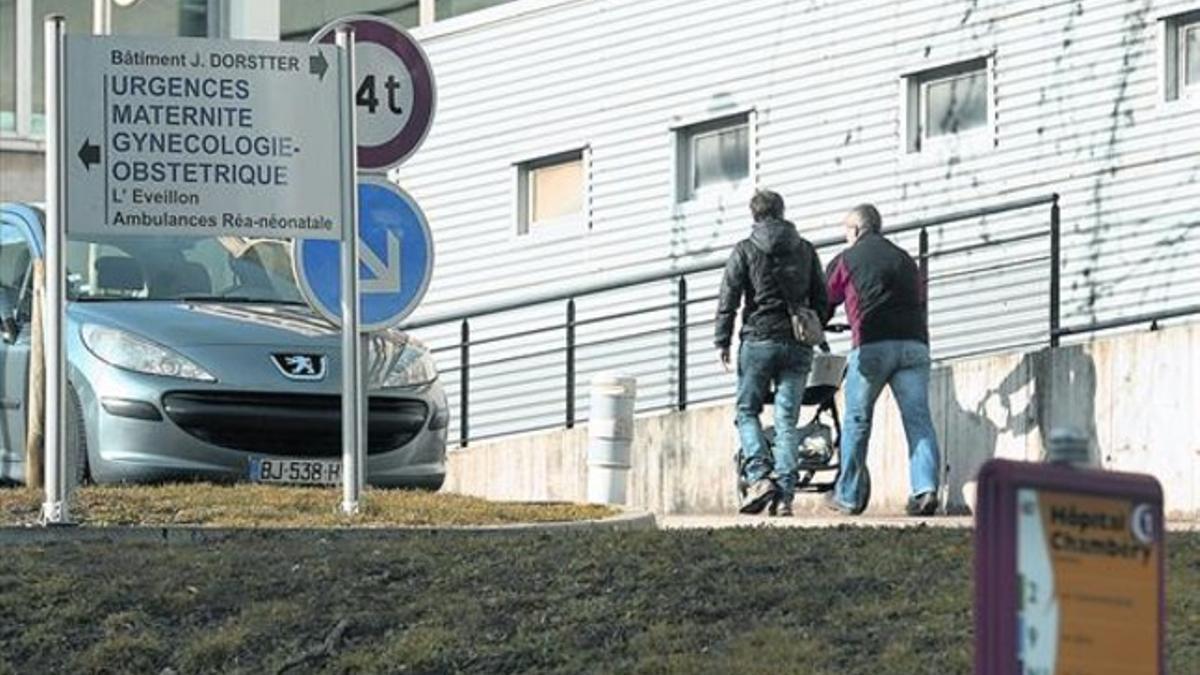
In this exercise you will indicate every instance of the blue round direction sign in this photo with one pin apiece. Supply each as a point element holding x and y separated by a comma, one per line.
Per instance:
<point>395,259</point>
<point>395,94</point>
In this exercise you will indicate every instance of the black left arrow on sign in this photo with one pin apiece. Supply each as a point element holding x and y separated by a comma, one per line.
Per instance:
<point>89,154</point>
<point>317,65</point>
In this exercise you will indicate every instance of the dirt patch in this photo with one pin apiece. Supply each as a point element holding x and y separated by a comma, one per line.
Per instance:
<point>747,601</point>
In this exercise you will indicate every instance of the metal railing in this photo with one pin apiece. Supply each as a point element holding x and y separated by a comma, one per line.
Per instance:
<point>680,327</point>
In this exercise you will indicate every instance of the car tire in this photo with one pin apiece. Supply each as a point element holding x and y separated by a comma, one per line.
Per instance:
<point>75,437</point>
<point>431,484</point>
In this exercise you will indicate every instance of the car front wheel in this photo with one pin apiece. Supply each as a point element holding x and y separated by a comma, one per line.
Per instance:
<point>75,438</point>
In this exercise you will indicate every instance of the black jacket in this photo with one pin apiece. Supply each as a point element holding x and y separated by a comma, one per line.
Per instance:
<point>773,254</point>
<point>883,291</point>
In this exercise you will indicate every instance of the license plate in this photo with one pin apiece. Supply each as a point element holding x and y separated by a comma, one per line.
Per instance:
<point>296,471</point>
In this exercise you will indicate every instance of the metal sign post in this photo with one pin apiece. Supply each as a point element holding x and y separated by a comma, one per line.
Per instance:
<point>55,509</point>
<point>354,432</point>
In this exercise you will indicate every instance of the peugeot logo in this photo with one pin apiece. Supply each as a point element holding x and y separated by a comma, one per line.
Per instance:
<point>300,366</point>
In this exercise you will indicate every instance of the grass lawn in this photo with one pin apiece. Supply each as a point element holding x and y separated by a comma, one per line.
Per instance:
<point>732,601</point>
<point>248,505</point>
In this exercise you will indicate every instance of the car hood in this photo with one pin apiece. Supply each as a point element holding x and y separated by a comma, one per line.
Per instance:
<point>194,324</point>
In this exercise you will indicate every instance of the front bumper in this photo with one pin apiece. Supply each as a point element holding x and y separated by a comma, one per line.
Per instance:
<point>213,433</point>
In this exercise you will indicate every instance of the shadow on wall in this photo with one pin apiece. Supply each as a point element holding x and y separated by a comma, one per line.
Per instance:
<point>1058,389</point>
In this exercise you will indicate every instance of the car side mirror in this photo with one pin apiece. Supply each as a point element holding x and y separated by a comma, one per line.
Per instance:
<point>10,329</point>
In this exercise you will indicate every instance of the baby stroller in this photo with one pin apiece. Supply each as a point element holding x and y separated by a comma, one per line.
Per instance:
<point>818,464</point>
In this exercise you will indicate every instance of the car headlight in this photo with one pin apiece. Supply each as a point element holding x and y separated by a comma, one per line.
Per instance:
<point>401,364</point>
<point>131,352</point>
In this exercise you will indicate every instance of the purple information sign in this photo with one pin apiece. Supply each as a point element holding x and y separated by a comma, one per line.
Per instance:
<point>1069,571</point>
<point>394,94</point>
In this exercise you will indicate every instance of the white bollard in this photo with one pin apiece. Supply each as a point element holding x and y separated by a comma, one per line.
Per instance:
<point>610,435</point>
<point>1068,445</point>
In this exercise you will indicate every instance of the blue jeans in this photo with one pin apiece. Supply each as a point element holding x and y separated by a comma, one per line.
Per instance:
<point>786,363</point>
<point>903,365</point>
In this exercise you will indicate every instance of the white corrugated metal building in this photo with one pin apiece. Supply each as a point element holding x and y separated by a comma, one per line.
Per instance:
<point>1088,99</point>
<point>581,142</point>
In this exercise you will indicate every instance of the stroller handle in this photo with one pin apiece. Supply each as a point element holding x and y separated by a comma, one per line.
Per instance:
<point>833,328</point>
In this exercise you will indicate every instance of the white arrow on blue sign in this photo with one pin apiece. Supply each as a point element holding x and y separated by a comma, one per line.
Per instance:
<point>395,255</point>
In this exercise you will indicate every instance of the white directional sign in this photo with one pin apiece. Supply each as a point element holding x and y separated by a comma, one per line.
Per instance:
<point>203,137</point>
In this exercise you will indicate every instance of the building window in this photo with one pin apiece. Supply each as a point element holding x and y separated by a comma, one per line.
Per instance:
<point>187,18</point>
<point>1181,57</point>
<point>1191,55</point>
<point>713,156</point>
<point>300,19</point>
<point>22,88</point>
<point>552,191</point>
<point>8,66</point>
<point>79,20</point>
<point>450,8</point>
<point>947,102</point>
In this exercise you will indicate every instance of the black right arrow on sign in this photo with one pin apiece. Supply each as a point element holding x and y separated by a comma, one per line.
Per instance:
<point>317,65</point>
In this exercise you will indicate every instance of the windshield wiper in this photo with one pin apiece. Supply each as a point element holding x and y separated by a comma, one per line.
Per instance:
<point>235,299</point>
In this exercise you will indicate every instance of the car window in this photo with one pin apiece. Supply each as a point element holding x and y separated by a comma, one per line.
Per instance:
<point>15,267</point>
<point>101,270</point>
<point>181,268</point>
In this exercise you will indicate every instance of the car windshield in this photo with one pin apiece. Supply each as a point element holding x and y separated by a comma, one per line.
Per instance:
<point>226,269</point>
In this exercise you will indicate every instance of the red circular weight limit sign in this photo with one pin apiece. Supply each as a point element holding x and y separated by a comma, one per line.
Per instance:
<point>395,94</point>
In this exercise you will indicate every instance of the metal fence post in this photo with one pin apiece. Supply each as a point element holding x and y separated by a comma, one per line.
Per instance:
<point>464,384</point>
<point>923,256</point>
<point>1055,261</point>
<point>571,363</point>
<point>682,336</point>
<point>923,269</point>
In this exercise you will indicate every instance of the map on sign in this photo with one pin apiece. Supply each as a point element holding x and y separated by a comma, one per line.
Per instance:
<point>203,137</point>
<point>395,95</point>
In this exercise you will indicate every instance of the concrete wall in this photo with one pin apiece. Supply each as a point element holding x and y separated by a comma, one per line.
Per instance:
<point>1136,395</point>
<point>22,176</point>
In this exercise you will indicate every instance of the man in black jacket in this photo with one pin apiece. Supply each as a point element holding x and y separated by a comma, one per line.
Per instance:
<point>772,269</point>
<point>885,304</point>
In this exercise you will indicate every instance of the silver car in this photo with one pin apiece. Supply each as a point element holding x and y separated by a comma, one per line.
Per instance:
<point>196,358</point>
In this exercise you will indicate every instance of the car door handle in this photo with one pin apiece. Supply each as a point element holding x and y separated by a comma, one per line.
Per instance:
<point>9,404</point>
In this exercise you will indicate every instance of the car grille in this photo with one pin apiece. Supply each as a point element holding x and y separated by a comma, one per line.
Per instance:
<point>290,424</point>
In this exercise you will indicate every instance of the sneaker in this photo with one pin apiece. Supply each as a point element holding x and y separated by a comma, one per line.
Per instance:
<point>832,505</point>
<point>924,504</point>
<point>758,496</point>
<point>781,509</point>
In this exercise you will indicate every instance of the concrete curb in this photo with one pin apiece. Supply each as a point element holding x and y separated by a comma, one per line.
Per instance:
<point>627,521</point>
<point>724,521</point>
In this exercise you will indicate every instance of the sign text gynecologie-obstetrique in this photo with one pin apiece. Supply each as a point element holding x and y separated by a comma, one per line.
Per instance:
<point>203,137</point>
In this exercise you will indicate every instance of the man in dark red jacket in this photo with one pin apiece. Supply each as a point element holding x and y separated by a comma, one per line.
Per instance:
<point>884,294</point>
